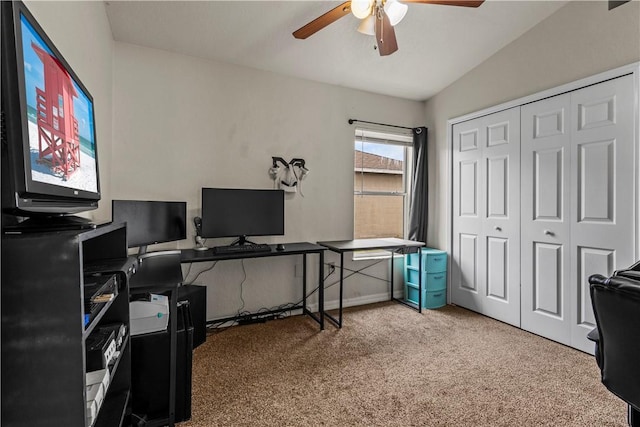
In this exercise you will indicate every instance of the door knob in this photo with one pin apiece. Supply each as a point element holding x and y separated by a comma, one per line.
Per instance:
<point>549,233</point>
<point>498,228</point>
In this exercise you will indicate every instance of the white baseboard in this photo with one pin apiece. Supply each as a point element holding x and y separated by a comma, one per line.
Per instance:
<point>335,304</point>
<point>356,301</point>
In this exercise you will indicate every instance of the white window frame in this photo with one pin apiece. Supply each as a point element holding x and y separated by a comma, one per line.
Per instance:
<point>399,137</point>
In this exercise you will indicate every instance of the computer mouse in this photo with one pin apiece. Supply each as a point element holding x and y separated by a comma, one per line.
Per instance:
<point>279,247</point>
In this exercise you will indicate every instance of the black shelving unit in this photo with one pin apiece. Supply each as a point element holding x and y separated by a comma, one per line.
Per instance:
<point>44,331</point>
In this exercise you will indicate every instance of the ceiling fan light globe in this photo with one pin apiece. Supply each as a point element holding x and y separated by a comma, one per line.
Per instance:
<point>368,26</point>
<point>361,8</point>
<point>395,11</point>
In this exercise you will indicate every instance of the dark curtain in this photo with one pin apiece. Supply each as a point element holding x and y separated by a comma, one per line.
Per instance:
<point>419,206</point>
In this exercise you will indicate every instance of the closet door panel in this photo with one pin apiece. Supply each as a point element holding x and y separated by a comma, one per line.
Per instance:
<point>547,184</point>
<point>467,281</point>
<point>545,302</point>
<point>498,268</point>
<point>603,200</point>
<point>596,177</point>
<point>486,221</point>
<point>501,227</point>
<point>468,262</point>
<point>548,281</point>
<point>469,188</point>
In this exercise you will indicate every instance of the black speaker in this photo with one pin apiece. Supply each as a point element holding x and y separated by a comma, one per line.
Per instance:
<point>150,360</point>
<point>197,297</point>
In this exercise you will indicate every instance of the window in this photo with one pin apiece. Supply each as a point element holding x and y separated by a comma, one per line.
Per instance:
<point>382,171</point>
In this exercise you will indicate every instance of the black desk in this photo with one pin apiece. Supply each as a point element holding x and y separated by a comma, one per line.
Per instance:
<point>302,248</point>
<point>160,272</point>
<point>393,245</point>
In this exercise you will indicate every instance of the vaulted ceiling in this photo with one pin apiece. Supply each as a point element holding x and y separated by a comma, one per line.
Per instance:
<point>437,44</point>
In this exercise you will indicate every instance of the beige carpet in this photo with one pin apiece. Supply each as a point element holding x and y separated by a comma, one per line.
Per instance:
<point>391,366</point>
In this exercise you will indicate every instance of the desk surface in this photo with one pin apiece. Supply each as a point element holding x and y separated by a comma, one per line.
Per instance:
<point>157,271</point>
<point>192,255</point>
<point>367,244</point>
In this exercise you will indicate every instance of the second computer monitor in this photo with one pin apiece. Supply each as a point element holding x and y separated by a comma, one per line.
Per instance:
<point>241,213</point>
<point>151,222</point>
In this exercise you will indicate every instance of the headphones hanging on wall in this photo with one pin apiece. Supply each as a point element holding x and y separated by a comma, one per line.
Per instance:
<point>288,175</point>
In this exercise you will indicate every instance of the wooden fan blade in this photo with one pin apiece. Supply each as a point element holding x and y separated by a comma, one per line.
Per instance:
<point>323,20</point>
<point>465,3</point>
<point>385,36</point>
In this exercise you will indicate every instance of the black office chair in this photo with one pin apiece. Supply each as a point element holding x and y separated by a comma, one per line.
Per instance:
<point>616,305</point>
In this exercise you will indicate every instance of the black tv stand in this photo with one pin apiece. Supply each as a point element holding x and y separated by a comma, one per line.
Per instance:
<point>37,224</point>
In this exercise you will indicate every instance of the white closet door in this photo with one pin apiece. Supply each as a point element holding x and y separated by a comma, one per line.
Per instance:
<point>602,183</point>
<point>546,227</point>
<point>486,244</point>
<point>578,204</point>
<point>466,276</point>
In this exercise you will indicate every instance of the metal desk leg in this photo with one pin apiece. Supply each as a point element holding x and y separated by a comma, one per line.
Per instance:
<point>174,345</point>
<point>305,309</point>
<point>419,280</point>
<point>338,321</point>
<point>304,282</point>
<point>391,280</point>
<point>341,287</point>
<point>321,290</point>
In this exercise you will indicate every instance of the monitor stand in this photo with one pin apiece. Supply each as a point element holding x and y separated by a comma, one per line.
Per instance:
<point>242,240</point>
<point>47,223</point>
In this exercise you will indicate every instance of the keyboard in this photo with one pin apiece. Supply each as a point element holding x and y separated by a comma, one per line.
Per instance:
<point>242,249</point>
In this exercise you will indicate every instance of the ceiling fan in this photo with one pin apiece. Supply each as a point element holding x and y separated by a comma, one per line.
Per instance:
<point>378,18</point>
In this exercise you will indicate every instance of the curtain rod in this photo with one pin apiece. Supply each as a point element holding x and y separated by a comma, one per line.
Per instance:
<point>351,121</point>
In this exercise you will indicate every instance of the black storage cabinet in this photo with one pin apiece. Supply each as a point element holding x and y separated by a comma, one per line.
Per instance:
<point>43,331</point>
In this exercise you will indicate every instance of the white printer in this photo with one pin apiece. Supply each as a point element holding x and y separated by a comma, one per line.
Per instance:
<point>149,316</point>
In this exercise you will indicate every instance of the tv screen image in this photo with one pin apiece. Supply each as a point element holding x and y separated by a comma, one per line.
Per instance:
<point>62,147</point>
<point>49,156</point>
<point>229,212</point>
<point>151,222</point>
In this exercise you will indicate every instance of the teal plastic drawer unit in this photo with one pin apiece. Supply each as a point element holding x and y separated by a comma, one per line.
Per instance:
<point>433,260</point>
<point>430,281</point>
<point>430,299</point>
<point>434,278</point>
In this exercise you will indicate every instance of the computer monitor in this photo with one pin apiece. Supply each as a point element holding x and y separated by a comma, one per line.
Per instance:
<point>151,222</point>
<point>233,212</point>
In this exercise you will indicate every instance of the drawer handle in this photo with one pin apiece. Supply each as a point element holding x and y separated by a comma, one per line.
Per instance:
<point>438,277</point>
<point>436,259</point>
<point>437,295</point>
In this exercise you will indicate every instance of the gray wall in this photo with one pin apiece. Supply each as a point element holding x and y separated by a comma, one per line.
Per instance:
<point>580,40</point>
<point>183,123</point>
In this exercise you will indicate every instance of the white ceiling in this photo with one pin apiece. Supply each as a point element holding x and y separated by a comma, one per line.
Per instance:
<point>437,44</point>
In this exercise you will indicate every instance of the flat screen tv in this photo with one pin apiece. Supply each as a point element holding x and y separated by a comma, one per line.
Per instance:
<point>151,222</point>
<point>49,152</point>
<point>230,212</point>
